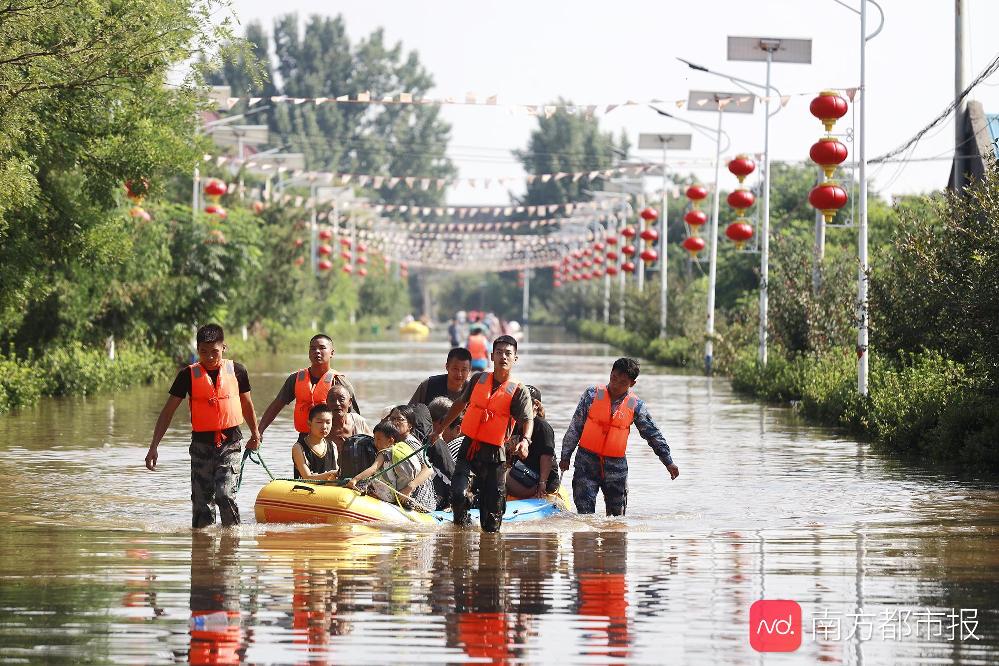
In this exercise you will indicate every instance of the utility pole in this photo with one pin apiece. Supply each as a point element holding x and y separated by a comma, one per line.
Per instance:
<point>526,297</point>
<point>960,83</point>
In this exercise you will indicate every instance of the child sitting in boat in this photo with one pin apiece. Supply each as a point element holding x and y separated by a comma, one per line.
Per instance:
<point>314,455</point>
<point>407,476</point>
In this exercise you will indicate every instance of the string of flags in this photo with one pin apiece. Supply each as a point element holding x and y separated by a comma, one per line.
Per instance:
<point>426,183</point>
<point>472,99</point>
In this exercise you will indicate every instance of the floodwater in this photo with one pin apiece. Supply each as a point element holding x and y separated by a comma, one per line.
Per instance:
<point>889,562</point>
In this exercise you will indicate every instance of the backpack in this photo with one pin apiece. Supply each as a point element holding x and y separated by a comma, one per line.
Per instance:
<point>358,454</point>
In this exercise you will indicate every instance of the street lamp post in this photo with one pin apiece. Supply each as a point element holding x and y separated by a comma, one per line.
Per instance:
<point>862,306</point>
<point>770,49</point>
<point>664,141</point>
<point>722,103</point>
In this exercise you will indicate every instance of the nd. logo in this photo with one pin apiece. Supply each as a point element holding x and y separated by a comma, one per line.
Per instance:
<point>775,625</point>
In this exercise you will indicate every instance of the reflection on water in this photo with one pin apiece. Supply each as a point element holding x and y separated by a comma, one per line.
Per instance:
<point>98,564</point>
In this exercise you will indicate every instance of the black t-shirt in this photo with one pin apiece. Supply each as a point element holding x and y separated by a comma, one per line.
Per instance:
<point>181,388</point>
<point>542,444</point>
<point>287,392</point>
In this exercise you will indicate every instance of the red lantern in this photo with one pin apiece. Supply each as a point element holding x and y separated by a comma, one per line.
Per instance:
<point>612,241</point>
<point>649,235</point>
<point>628,232</point>
<point>741,166</point>
<point>299,242</point>
<point>628,250</point>
<point>740,232</point>
<point>696,192</point>
<point>828,107</point>
<point>362,271</point>
<point>587,251</point>
<point>325,234</point>
<point>345,242</point>
<point>828,197</point>
<point>828,153</point>
<point>599,247</point>
<point>587,264</point>
<point>139,212</point>
<point>347,268</point>
<point>136,190</point>
<point>741,199</point>
<point>612,256</point>
<point>214,188</point>
<point>345,256</point>
<point>299,261</point>
<point>217,210</point>
<point>557,283</point>
<point>612,270</point>
<point>628,267</point>
<point>361,259</point>
<point>695,217</point>
<point>648,256</point>
<point>598,273</point>
<point>361,247</point>
<point>597,259</point>
<point>325,250</point>
<point>258,207</point>
<point>576,254</point>
<point>576,277</point>
<point>649,214</point>
<point>693,245</point>
<point>324,265</point>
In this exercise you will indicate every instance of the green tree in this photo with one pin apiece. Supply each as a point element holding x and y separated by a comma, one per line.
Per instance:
<point>84,106</point>
<point>568,143</point>
<point>935,289</point>
<point>321,61</point>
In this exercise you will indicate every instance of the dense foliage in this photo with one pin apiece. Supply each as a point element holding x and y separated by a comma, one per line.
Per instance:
<point>89,101</point>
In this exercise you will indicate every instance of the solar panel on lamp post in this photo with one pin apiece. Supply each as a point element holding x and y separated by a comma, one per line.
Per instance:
<point>664,142</point>
<point>722,103</point>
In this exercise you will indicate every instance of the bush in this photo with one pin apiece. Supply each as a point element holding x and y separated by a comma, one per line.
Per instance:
<point>19,384</point>
<point>781,380</point>
<point>907,401</point>
<point>75,370</point>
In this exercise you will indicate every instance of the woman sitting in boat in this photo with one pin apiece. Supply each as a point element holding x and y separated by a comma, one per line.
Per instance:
<point>537,474</point>
<point>314,455</point>
<point>416,423</point>
<point>406,477</point>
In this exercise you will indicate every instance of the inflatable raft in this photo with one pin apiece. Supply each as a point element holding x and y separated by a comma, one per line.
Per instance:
<point>415,329</point>
<point>284,501</point>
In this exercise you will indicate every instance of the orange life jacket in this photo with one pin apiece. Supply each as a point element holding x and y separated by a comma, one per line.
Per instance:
<point>478,346</point>
<point>487,419</point>
<point>215,406</point>
<point>606,434</point>
<point>308,396</point>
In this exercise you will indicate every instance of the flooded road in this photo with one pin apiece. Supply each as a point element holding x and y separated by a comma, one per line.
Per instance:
<point>889,563</point>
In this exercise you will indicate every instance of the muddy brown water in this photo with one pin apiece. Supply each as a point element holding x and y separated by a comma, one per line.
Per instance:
<point>889,562</point>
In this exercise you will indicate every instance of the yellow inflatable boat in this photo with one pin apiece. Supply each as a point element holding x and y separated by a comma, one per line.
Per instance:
<point>415,329</point>
<point>285,501</point>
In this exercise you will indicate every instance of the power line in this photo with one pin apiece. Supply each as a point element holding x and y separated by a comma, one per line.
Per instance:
<point>989,71</point>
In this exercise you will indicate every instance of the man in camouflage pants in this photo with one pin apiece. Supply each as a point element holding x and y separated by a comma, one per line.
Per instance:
<point>600,427</point>
<point>214,475</point>
<point>218,392</point>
